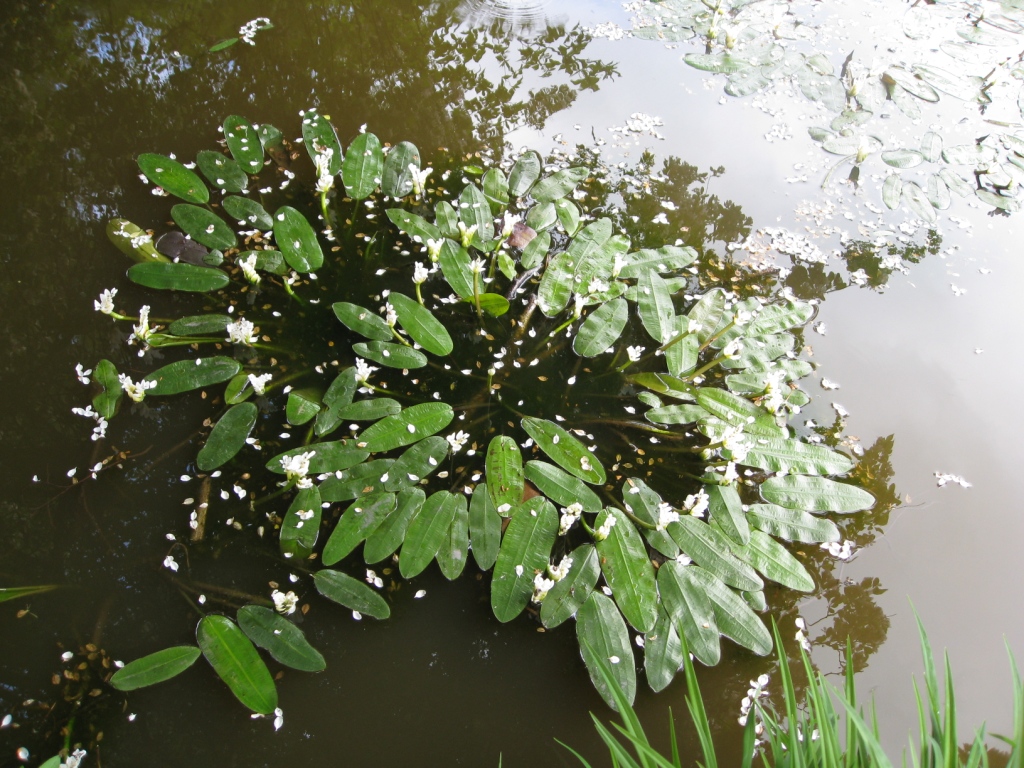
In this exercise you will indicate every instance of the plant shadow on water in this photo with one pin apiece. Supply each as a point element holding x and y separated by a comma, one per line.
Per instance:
<point>126,602</point>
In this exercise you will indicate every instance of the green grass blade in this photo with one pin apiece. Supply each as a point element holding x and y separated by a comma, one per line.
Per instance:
<point>949,740</point>
<point>575,754</point>
<point>695,703</point>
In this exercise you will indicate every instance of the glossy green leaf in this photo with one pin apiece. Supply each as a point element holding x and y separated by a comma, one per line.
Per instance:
<point>711,550</point>
<point>185,375</point>
<point>454,551</point>
<point>391,354</point>
<point>727,511</point>
<point>177,277</point>
<point>300,526</point>
<point>755,600</point>
<point>248,212</point>
<point>475,211</point>
<point>956,182</point>
<point>663,653</point>
<point>337,397</point>
<point>561,487</point>
<point>416,227</point>
<point>690,610</point>
<point>174,178</point>
<point>892,190</point>
<point>417,462</point>
<point>536,250</point>
<point>203,226</point>
<point>318,135</point>
<point>396,177</point>
<point>556,284</point>
<point>917,201</point>
<point>455,266</point>
<point>358,522</point>
<point>851,145</point>
<point>665,385</point>
<point>155,668</point>
<point>409,426</point>
<point>363,166</point>
<point>484,528</point>
<point>722,63</point>
<point>302,406</point>
<point>270,137</point>
<point>734,617</point>
<point>558,184</point>
<point>792,524</point>
<point>676,414</point>
<point>222,172</point>
<point>568,214</point>
<point>775,562</point>
<point>571,592</point>
<point>504,468</point>
<point>669,258</point>
<point>643,502</point>
<point>495,188</point>
<point>601,329</point>
<point>738,411</point>
<point>603,638</point>
<point>815,494</point>
<point>902,158</point>
<point>524,174</point>
<point>200,325</point>
<point>494,304</point>
<point>244,144</point>
<point>427,532</point>
<point>362,321</point>
<point>931,146</point>
<point>681,357</point>
<point>525,551</point>
<point>586,254</point>
<point>237,663</point>
<point>297,240</point>
<point>371,409</point>
<point>133,241</point>
<point>707,314</point>
<point>628,571</point>
<point>446,218</point>
<point>938,193</point>
<point>776,318</point>
<point>266,261</point>
<point>280,638</point>
<point>351,593</point>
<point>227,437</point>
<point>421,325</point>
<point>654,304</point>
<point>778,454</point>
<point>565,450</point>
<point>109,398</point>
<point>1003,203</point>
<point>327,457</point>
<point>215,48</point>
<point>360,480</point>
<point>389,535</point>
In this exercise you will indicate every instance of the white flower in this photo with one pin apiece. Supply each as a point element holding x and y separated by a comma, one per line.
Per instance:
<point>86,412</point>
<point>666,515</point>
<point>466,234</point>
<point>541,586</point>
<point>278,719</point>
<point>390,316</point>
<point>242,331</point>
<point>732,349</point>
<point>142,331</point>
<point>363,371</point>
<point>597,286</point>
<point>136,391</point>
<point>620,262</point>
<point>735,442</point>
<point>100,430</point>
<point>457,439</point>
<point>419,178</point>
<point>434,249</point>
<point>560,571</point>
<point>169,562</point>
<point>296,467</point>
<point>508,223</point>
<point>569,517</point>
<point>248,266</point>
<point>730,473</point>
<point>259,383</point>
<point>374,579</point>
<point>325,179</point>
<point>420,274</point>
<point>634,353</point>
<point>477,265</point>
<point>105,303</point>
<point>606,528</point>
<point>579,301</point>
<point>697,503</point>
<point>248,30</point>
<point>82,374</point>
<point>74,759</point>
<point>284,602</point>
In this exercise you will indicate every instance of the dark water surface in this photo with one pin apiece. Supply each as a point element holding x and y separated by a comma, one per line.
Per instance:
<point>85,87</point>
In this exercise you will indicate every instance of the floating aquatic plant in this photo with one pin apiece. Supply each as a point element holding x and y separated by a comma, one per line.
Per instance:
<point>488,369</point>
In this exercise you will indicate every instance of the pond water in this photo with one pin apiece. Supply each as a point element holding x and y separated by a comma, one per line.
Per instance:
<point>925,360</point>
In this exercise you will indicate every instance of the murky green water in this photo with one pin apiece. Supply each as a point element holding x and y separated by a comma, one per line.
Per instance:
<point>88,86</point>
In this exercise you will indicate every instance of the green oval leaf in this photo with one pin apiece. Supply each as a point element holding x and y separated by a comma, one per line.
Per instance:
<point>418,462</point>
<point>185,375</point>
<point>892,190</point>
<point>360,480</point>
<point>601,329</point>
<point>302,406</point>
<point>454,550</point>
<point>155,668</point>
<point>524,173</point>
<point>177,277</point>
<point>558,184</point>
<point>815,494</point>
<point>727,511</point>
<point>572,590</point>
<point>628,571</point>
<point>654,304</point>
<point>663,653</point>
<point>738,411</point>
<point>494,304</point>
<point>174,178</point>
<point>792,524</point>
<point>248,213</point>
<point>484,528</point>
<point>319,135</point>
<point>204,226</point>
<point>475,211</point>
<point>409,426</point>
<point>416,227</point>
<point>369,410</point>
<point>568,214</point>
<point>109,398</point>
<point>711,549</point>
<point>396,177</point>
<point>223,172</point>
<point>227,437</point>
<point>327,457</point>
<point>362,321</point>
<point>363,165</point>
<point>536,250</point>
<point>779,454</point>
<point>200,325</point>
<point>390,354</point>
<point>734,617</point>
<point>723,63</point>
<point>280,638</point>
<point>565,450</point>
<point>561,487</point>
<point>427,532</point>
<point>359,521</point>
<point>775,562</point>
<point>525,551</point>
<point>643,502</point>
<point>669,258</point>
<point>676,414</point>
<point>237,663</point>
<point>297,240</point>
<point>391,532</point>
<point>690,608</point>
<point>495,187</point>
<point>300,527</point>
<point>604,639</point>
<point>455,266</point>
<point>244,144</point>
<point>351,593</point>
<point>902,158</point>
<point>421,325</point>
<point>504,466</point>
